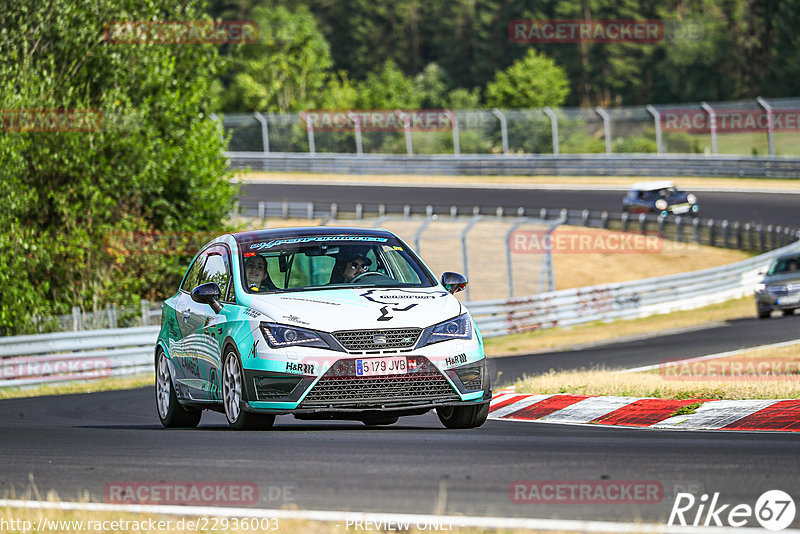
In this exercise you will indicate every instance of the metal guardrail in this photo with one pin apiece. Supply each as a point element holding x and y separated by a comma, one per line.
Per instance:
<point>71,356</point>
<point>721,233</point>
<point>629,300</point>
<point>520,164</point>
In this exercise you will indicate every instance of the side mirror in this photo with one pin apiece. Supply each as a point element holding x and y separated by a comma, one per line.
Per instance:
<point>208,293</point>
<point>454,282</point>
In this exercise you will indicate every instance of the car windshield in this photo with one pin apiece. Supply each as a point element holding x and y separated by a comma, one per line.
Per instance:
<point>789,264</point>
<point>665,192</point>
<point>327,262</point>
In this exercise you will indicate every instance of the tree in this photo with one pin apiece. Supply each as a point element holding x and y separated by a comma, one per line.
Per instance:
<point>287,70</point>
<point>387,88</point>
<point>149,160</point>
<point>534,81</point>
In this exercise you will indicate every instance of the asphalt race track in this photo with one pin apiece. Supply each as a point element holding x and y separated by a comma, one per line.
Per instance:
<point>763,208</point>
<point>80,443</point>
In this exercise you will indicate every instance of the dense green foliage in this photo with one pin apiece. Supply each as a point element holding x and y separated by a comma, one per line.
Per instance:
<point>153,161</point>
<point>711,50</point>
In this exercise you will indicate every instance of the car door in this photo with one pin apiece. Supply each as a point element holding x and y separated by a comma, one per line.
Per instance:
<point>206,351</point>
<point>190,321</point>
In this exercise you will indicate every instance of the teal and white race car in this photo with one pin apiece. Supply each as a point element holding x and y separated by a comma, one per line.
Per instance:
<point>319,323</point>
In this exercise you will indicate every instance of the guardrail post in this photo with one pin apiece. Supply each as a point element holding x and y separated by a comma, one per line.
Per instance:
<point>359,211</point>
<point>657,121</point>
<point>264,131</point>
<point>679,229</point>
<point>725,243</point>
<point>770,237</point>
<point>748,230</point>
<point>564,214</point>
<point>76,319</point>
<point>310,131</point>
<point>624,219</point>
<point>285,209</point>
<point>406,211</point>
<point>407,129</point>
<point>499,212</point>
<point>334,210</point>
<point>454,212</point>
<point>145,306</point>
<point>604,219</point>
<point>770,125</point>
<point>381,210</point>
<point>712,119</point>
<point>509,270</point>
<point>737,231</point>
<point>585,217</point>
<point>553,128</point>
<point>606,127</point>
<point>111,310</point>
<point>357,127</point>
<point>643,223</point>
<point>762,246</point>
<point>456,142</point>
<point>310,211</point>
<point>476,210</point>
<point>696,224</point>
<point>503,128</point>
<point>711,232</point>
<point>543,214</point>
<point>464,252</point>
<point>429,211</point>
<point>262,210</point>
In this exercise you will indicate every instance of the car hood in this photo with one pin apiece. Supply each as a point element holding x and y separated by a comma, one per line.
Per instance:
<point>362,308</point>
<point>782,278</point>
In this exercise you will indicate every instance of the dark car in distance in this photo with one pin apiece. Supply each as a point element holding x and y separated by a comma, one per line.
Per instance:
<point>661,197</point>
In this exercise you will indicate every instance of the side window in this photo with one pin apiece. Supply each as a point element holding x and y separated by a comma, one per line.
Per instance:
<point>192,279</point>
<point>217,269</point>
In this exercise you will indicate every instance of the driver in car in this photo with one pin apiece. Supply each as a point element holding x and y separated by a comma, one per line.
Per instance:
<point>354,266</point>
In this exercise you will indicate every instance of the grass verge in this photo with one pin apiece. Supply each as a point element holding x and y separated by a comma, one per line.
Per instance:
<point>87,386</point>
<point>561,338</point>
<point>772,373</point>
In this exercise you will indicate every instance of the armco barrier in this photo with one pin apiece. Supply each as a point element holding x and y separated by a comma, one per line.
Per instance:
<point>68,356</point>
<point>41,358</point>
<point>520,164</point>
<point>639,298</point>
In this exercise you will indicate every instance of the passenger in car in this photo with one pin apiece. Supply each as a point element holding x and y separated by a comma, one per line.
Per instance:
<point>255,270</point>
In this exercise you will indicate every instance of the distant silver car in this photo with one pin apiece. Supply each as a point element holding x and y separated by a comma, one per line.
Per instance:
<point>780,288</point>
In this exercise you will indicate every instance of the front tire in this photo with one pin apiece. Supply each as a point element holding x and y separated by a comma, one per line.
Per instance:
<point>764,314</point>
<point>463,416</point>
<point>170,412</point>
<point>232,395</point>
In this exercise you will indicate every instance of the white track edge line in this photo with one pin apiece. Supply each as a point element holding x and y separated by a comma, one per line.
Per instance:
<point>712,356</point>
<point>426,519</point>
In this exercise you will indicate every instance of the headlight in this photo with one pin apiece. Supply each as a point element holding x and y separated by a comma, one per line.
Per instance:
<point>661,204</point>
<point>691,199</point>
<point>281,335</point>
<point>760,288</point>
<point>457,328</point>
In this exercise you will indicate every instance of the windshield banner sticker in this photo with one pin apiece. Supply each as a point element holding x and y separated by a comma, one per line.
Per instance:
<point>315,239</point>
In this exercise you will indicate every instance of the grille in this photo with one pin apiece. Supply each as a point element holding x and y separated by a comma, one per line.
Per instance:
<point>384,390</point>
<point>371,339</point>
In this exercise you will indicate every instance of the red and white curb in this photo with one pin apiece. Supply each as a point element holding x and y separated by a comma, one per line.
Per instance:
<point>753,415</point>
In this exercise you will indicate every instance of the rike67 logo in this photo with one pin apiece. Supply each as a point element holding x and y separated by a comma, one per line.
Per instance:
<point>774,510</point>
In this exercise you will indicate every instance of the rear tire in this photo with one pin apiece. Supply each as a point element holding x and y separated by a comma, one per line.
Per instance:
<point>170,411</point>
<point>764,314</point>
<point>463,416</point>
<point>232,395</point>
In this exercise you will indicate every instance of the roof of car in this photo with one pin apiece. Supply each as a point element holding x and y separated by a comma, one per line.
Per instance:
<point>652,186</point>
<point>307,231</point>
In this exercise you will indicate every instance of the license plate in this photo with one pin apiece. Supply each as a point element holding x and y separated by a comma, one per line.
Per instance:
<point>784,301</point>
<point>381,366</point>
<point>680,209</point>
